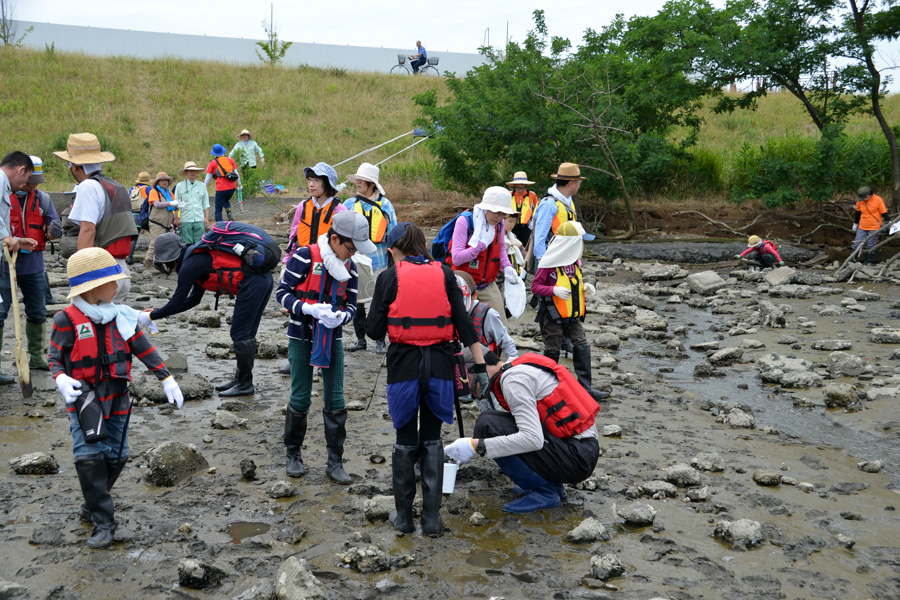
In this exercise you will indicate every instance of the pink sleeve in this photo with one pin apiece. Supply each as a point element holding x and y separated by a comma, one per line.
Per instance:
<point>291,245</point>
<point>541,285</point>
<point>746,252</point>
<point>340,207</point>
<point>462,254</point>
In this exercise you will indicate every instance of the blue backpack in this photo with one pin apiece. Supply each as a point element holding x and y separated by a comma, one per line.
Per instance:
<point>440,248</point>
<point>258,251</point>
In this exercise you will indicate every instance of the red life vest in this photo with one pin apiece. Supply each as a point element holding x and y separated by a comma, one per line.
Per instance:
<point>479,314</point>
<point>83,361</point>
<point>308,289</point>
<point>226,275</point>
<point>28,223</point>
<point>420,315</point>
<point>568,410</point>
<point>486,266</point>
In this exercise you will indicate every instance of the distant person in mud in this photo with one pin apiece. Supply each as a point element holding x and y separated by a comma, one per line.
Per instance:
<point>193,203</point>
<point>244,274</point>
<point>91,349</point>
<point>525,202</point>
<point>545,435</point>
<point>247,149</point>
<point>138,194</point>
<point>318,289</point>
<point>163,216</point>
<point>560,287</point>
<point>764,251</point>
<point>418,304</point>
<point>869,217</point>
<point>224,170</point>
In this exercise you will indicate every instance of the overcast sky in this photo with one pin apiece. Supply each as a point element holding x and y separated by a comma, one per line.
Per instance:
<point>456,26</point>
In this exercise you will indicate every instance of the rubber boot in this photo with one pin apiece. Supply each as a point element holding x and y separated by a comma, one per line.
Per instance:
<point>567,347</point>
<point>359,328</point>
<point>129,260</point>
<point>560,491</point>
<point>335,435</point>
<point>228,384</point>
<point>4,379</point>
<point>380,347</point>
<point>554,356</point>
<point>432,463</point>
<point>93,476</point>
<point>245,354</point>
<point>581,359</point>
<point>403,464</point>
<point>35,335</point>
<point>294,434</point>
<point>113,470</point>
<point>541,493</point>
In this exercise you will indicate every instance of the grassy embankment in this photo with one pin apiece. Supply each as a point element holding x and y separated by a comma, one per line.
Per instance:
<point>157,114</point>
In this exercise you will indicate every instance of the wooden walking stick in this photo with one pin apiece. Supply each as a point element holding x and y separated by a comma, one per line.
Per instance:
<point>19,352</point>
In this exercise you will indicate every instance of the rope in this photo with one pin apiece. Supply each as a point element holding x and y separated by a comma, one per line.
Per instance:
<point>374,148</point>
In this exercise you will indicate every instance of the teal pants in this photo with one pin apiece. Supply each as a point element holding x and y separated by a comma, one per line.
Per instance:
<point>191,233</point>
<point>302,371</point>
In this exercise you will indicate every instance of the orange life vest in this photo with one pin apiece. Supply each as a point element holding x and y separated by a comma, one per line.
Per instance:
<point>313,221</point>
<point>84,362</point>
<point>28,223</point>
<point>568,410</point>
<point>525,204</point>
<point>310,289</point>
<point>420,315</point>
<point>479,315</point>
<point>574,306</point>
<point>486,266</point>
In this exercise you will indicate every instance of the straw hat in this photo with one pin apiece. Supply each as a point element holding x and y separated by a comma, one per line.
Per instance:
<point>189,166</point>
<point>366,172</point>
<point>160,176</point>
<point>245,132</point>
<point>84,149</point>
<point>497,199</point>
<point>520,178</point>
<point>753,241</point>
<point>143,178</point>
<point>91,268</point>
<point>37,175</point>
<point>568,172</point>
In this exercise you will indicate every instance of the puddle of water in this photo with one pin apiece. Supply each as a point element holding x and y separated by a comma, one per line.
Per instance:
<point>240,530</point>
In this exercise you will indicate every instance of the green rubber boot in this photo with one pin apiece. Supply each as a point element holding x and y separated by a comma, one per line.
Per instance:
<point>35,334</point>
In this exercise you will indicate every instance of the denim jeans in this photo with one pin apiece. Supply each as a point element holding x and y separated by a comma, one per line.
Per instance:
<point>34,289</point>
<point>223,201</point>
<point>109,447</point>
<point>416,64</point>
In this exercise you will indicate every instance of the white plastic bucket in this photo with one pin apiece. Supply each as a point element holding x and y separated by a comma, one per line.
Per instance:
<point>450,469</point>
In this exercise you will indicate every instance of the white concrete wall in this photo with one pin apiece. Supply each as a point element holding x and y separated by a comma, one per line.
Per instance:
<point>98,41</point>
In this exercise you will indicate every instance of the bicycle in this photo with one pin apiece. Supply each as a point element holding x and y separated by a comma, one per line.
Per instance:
<point>429,68</point>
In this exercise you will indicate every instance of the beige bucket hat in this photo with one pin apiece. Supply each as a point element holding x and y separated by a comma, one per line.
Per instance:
<point>367,172</point>
<point>84,149</point>
<point>143,178</point>
<point>91,268</point>
<point>160,176</point>
<point>245,132</point>
<point>189,166</point>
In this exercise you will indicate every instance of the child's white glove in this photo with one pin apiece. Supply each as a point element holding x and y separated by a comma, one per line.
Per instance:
<point>316,311</point>
<point>144,319</point>
<point>173,392</point>
<point>561,292</point>
<point>511,275</point>
<point>68,387</point>
<point>589,289</point>
<point>855,227</point>
<point>332,320</point>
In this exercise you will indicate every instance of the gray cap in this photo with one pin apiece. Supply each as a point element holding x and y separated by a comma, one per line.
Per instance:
<point>167,248</point>
<point>353,225</point>
<point>864,192</point>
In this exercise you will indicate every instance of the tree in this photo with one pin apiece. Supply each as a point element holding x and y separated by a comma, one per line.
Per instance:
<point>8,25</point>
<point>273,49</point>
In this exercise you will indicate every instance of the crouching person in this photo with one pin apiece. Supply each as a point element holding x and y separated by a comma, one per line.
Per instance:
<point>545,435</point>
<point>91,346</point>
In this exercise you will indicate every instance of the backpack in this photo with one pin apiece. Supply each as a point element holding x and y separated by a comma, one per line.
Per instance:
<point>230,175</point>
<point>141,192</point>
<point>258,251</point>
<point>440,248</point>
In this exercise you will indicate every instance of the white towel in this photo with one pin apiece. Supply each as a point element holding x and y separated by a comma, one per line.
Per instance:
<point>482,230</point>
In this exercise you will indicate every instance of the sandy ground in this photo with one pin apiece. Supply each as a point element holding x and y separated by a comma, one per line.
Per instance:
<point>667,417</point>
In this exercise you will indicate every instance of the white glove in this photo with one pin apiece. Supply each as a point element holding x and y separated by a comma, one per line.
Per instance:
<point>332,319</point>
<point>461,450</point>
<point>144,319</point>
<point>173,392</point>
<point>510,274</point>
<point>855,227</point>
<point>315,310</point>
<point>561,292</point>
<point>68,387</point>
<point>589,289</point>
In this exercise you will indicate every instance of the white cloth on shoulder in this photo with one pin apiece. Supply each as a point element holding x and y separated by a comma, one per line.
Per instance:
<point>482,230</point>
<point>334,265</point>
<point>126,317</point>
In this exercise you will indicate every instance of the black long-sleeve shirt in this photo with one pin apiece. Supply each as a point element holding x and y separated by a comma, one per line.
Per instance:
<point>187,294</point>
<point>403,360</point>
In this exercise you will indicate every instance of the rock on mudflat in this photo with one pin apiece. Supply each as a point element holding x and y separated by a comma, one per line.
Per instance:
<point>743,534</point>
<point>478,520</point>
<point>588,531</point>
<point>606,566</point>
<point>704,369</point>
<point>874,466</point>
<point>658,489</point>
<point>378,508</point>
<point>738,419</point>
<point>708,461</point>
<point>705,283</point>
<point>193,386</point>
<point>370,559</point>
<point>885,393</point>
<point>862,295</point>
<point>767,478</point>
<point>847,365</point>
<point>9,589</point>
<point>840,394</point>
<point>885,335</point>
<point>801,380</point>
<point>831,345</point>
<point>197,575</point>
<point>606,340</point>
<point>248,469</point>
<point>35,463</point>
<point>663,272</point>
<point>282,489</point>
<point>780,276</point>
<point>683,475</point>
<point>227,420</point>
<point>177,363</point>
<point>612,431</point>
<point>650,321</point>
<point>770,315</point>
<point>295,582</point>
<point>790,291</point>
<point>170,462</point>
<point>637,514</point>
<point>726,356</point>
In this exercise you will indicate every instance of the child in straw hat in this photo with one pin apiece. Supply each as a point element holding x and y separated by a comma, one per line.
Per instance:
<point>91,346</point>
<point>765,252</point>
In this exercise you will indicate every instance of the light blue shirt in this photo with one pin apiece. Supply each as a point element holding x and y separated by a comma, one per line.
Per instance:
<point>421,50</point>
<point>379,257</point>
<point>543,221</point>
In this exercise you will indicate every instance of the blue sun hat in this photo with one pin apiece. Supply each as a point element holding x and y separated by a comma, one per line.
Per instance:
<point>322,170</point>
<point>218,150</point>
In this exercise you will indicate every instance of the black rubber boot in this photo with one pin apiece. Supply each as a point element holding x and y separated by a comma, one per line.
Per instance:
<point>94,478</point>
<point>432,487</point>
<point>335,435</point>
<point>129,260</point>
<point>245,354</point>
<point>113,470</point>
<point>567,347</point>
<point>359,328</point>
<point>403,464</point>
<point>294,434</point>
<point>581,359</point>
<point>359,345</point>
<point>554,356</point>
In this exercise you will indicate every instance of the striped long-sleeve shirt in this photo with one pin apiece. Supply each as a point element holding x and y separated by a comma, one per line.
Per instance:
<point>296,271</point>
<point>113,393</point>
